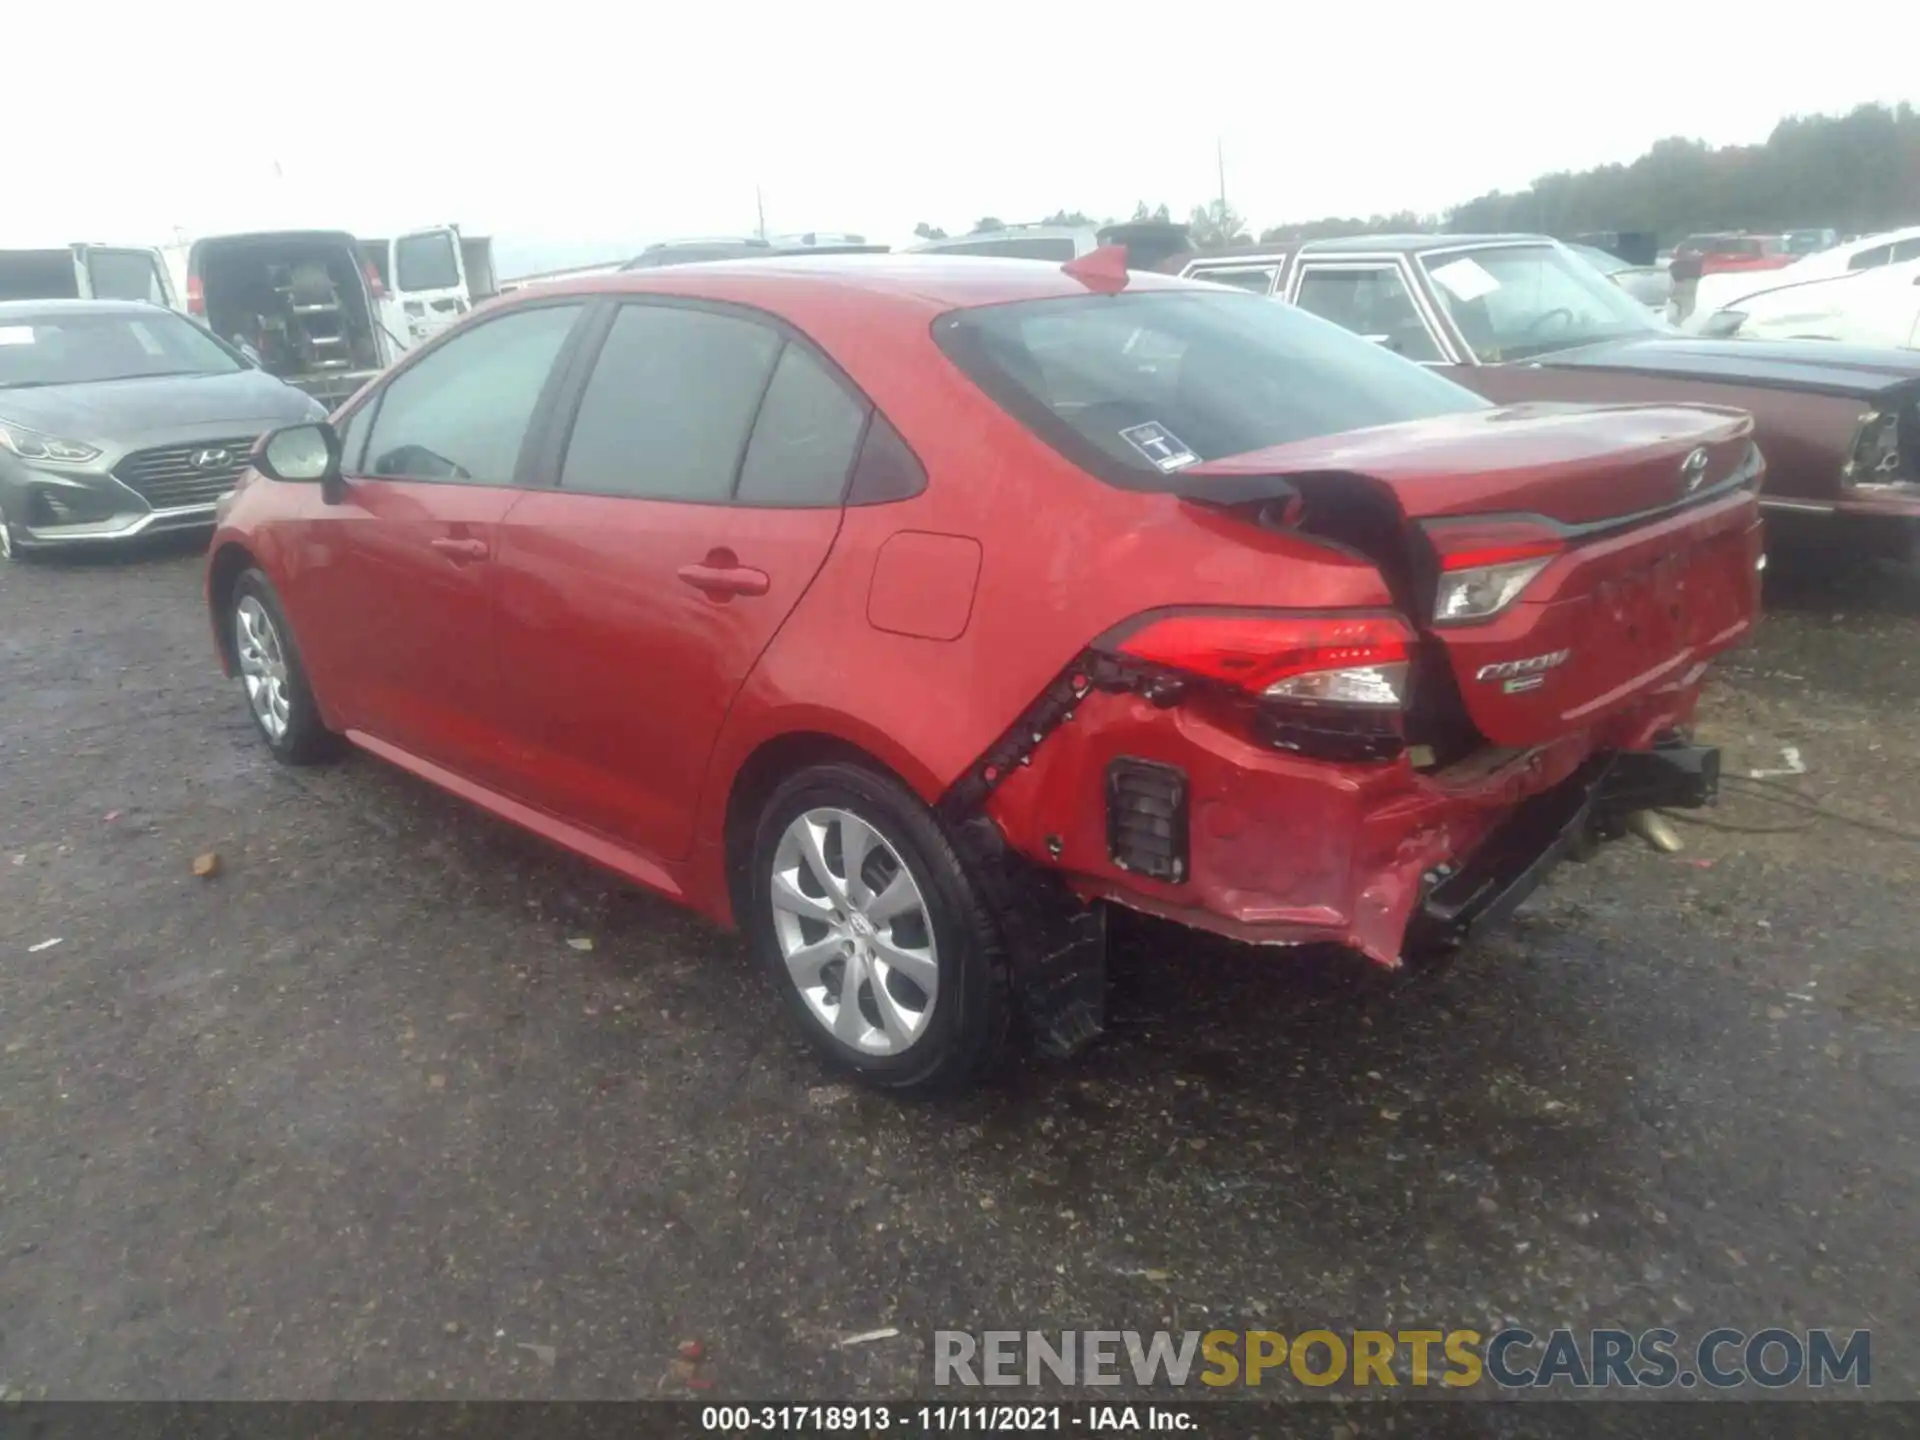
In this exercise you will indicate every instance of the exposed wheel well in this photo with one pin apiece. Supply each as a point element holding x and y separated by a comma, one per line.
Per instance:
<point>223,574</point>
<point>772,763</point>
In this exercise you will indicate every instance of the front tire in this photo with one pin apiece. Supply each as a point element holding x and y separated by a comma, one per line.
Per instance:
<point>11,549</point>
<point>279,696</point>
<point>872,928</point>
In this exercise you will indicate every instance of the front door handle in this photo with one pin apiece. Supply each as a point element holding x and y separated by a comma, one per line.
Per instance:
<point>456,548</point>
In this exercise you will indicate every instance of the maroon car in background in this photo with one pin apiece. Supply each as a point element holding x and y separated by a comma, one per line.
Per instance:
<point>1699,255</point>
<point>1518,317</point>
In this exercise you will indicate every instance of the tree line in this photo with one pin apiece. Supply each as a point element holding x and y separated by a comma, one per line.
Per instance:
<point>1857,173</point>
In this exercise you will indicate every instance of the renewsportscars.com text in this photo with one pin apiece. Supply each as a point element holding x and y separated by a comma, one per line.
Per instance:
<point>1512,1359</point>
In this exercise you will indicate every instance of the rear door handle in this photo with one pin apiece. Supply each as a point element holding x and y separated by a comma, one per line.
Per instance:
<point>459,549</point>
<point>720,581</point>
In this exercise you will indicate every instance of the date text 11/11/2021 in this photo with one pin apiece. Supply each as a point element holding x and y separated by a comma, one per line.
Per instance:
<point>922,1419</point>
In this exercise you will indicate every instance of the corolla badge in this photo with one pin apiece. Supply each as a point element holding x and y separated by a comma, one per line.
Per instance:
<point>213,458</point>
<point>1693,470</point>
<point>1516,676</point>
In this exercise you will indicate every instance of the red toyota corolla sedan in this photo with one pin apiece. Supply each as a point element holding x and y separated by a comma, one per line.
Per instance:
<point>909,611</point>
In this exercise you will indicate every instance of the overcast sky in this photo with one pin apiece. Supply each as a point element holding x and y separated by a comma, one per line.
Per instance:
<point>565,120</point>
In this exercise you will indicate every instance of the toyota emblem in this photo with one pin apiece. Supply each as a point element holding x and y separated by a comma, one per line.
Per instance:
<point>1693,470</point>
<point>214,458</point>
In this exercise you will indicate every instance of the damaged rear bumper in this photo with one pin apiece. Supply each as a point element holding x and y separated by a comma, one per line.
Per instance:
<point>1561,823</point>
<point>1229,835</point>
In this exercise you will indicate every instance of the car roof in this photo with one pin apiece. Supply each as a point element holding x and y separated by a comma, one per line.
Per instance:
<point>1241,254</point>
<point>1008,232</point>
<point>1885,237</point>
<point>929,283</point>
<point>344,236</point>
<point>20,309</point>
<point>1414,244</point>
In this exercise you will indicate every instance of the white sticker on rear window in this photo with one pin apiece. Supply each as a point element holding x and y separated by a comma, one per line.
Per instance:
<point>16,335</point>
<point>1465,279</point>
<point>1160,445</point>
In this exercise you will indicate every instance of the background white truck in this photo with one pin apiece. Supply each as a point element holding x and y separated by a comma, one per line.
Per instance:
<point>427,279</point>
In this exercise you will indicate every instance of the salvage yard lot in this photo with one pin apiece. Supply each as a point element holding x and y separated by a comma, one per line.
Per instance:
<point>352,1117</point>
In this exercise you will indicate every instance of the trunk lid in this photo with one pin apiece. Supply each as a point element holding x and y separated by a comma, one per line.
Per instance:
<point>1578,465</point>
<point>1638,525</point>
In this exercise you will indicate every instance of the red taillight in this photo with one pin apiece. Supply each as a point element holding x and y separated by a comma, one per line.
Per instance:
<point>196,296</point>
<point>1464,544</point>
<point>1485,564</point>
<point>1282,655</point>
<point>374,287</point>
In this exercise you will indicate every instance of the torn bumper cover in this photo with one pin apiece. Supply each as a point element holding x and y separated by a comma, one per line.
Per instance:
<point>1273,848</point>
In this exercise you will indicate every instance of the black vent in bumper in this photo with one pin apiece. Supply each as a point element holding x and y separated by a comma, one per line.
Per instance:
<point>179,475</point>
<point>1147,819</point>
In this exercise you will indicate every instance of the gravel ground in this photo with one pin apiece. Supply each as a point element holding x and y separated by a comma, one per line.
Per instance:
<point>352,1117</point>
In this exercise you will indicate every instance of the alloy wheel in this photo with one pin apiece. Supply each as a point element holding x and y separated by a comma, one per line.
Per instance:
<point>854,930</point>
<point>263,667</point>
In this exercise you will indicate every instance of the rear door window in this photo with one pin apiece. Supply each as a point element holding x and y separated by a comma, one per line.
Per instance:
<point>805,438</point>
<point>126,275</point>
<point>672,399</point>
<point>461,413</point>
<point>38,275</point>
<point>425,262</point>
<point>1372,301</point>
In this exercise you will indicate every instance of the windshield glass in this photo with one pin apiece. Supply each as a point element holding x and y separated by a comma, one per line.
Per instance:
<point>79,348</point>
<point>425,262</point>
<point>1518,301</point>
<point>1136,386</point>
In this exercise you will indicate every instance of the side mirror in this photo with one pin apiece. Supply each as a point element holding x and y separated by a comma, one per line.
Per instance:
<point>303,455</point>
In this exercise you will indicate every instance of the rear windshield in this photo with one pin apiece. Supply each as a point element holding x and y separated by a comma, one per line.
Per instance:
<point>425,262</point>
<point>1136,386</point>
<point>77,348</point>
<point>38,275</point>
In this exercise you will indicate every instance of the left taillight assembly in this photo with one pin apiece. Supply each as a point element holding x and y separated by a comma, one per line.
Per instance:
<point>1327,686</point>
<point>1486,566</point>
<point>1338,659</point>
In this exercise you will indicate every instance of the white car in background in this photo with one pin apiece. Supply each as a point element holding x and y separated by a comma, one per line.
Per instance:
<point>1651,285</point>
<point>1715,293</point>
<point>1879,306</point>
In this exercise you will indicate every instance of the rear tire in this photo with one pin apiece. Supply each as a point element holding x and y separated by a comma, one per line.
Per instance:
<point>279,696</point>
<point>895,972</point>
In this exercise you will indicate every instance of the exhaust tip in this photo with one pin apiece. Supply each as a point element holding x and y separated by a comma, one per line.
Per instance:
<point>1654,828</point>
